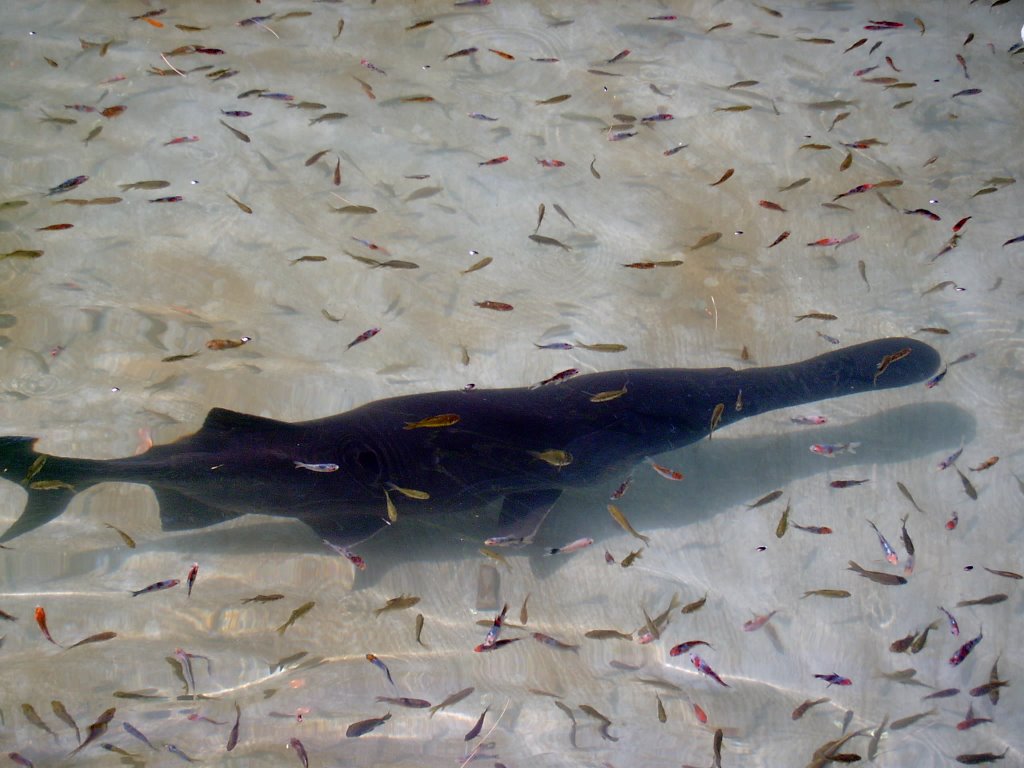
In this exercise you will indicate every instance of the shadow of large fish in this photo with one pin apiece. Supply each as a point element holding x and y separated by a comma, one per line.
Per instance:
<point>523,445</point>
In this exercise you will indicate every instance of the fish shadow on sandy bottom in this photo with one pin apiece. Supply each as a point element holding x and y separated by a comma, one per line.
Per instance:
<point>721,474</point>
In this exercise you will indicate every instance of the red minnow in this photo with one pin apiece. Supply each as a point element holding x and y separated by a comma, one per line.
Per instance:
<point>890,553</point>
<point>619,56</point>
<point>492,634</point>
<point>558,378</point>
<point>498,306</point>
<point>960,224</point>
<point>550,163</point>
<point>462,52</point>
<point>678,650</point>
<point>191,578</point>
<point>41,621</point>
<point>957,658</point>
<point>834,679</point>
<point>182,140</point>
<point>771,206</point>
<point>380,665</point>
<point>704,668</point>
<point>619,492</point>
<point>819,529</point>
<point>495,160</point>
<point>497,644</point>
<point>757,622</point>
<point>371,66</point>
<point>156,587</point>
<point>365,335</point>
<point>353,558</point>
<point>779,239</point>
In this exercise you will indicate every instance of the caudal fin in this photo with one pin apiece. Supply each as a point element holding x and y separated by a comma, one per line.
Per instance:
<point>47,498</point>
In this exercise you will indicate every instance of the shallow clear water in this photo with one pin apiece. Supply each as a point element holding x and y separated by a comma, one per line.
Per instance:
<point>86,327</point>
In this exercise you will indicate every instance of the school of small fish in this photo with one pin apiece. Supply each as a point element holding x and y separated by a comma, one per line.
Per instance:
<point>378,233</point>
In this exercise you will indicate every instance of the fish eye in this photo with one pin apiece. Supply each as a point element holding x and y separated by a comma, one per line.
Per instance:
<point>367,461</point>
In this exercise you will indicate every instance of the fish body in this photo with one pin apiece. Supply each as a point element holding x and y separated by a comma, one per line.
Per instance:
<point>834,679</point>
<point>237,464</point>
<point>964,650</point>
<point>571,547</point>
<point>831,450</point>
<point>156,587</point>
<point>66,186</point>
<point>705,669</point>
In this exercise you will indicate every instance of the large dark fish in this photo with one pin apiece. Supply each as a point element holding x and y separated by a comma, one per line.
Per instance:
<point>236,464</point>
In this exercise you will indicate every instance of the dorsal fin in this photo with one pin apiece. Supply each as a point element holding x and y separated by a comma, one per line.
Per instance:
<point>223,420</point>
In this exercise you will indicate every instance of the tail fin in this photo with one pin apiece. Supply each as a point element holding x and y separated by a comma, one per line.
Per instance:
<point>20,463</point>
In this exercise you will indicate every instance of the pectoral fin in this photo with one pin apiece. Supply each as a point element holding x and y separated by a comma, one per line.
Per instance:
<point>522,514</point>
<point>181,513</point>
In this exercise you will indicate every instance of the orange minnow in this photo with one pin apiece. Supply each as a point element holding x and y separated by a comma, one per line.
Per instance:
<point>417,99</point>
<point>54,227</point>
<point>41,621</point>
<point>114,111</point>
<point>771,206</point>
<point>442,420</point>
<point>779,239</point>
<point>419,25</point>
<point>503,55</point>
<point>367,88</point>
<point>495,160</point>
<point>218,344</point>
<point>989,462</point>
<point>888,360</point>
<point>666,472</point>
<point>725,177</point>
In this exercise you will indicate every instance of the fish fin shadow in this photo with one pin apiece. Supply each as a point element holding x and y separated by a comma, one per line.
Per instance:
<point>523,513</point>
<point>179,512</point>
<point>344,530</point>
<point>41,508</point>
<point>21,463</point>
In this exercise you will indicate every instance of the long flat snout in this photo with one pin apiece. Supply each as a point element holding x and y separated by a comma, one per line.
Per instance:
<point>868,367</point>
